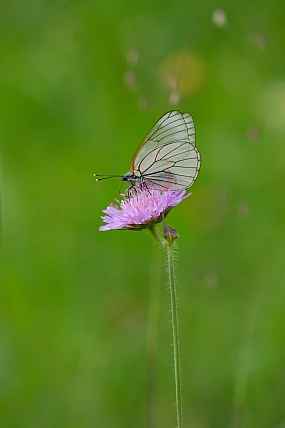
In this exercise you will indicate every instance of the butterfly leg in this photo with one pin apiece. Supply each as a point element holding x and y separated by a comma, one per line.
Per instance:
<point>130,191</point>
<point>143,187</point>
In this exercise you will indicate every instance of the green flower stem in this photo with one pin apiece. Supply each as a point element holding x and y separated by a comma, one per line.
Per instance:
<point>175,334</point>
<point>170,235</point>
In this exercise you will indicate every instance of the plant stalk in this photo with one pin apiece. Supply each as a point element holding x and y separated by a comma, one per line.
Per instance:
<point>175,335</point>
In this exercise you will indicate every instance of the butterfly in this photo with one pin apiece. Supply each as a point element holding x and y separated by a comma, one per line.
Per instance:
<point>167,157</point>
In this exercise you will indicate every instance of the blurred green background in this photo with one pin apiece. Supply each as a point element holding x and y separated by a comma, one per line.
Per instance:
<point>81,84</point>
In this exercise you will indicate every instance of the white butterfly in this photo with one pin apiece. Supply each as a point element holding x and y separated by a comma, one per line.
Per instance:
<point>167,158</point>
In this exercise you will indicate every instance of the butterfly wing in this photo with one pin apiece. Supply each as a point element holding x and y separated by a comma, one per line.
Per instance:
<point>167,158</point>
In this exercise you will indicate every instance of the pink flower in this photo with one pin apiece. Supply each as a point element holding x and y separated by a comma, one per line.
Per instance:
<point>142,209</point>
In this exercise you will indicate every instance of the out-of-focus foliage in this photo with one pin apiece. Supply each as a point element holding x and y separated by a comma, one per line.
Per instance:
<point>81,84</point>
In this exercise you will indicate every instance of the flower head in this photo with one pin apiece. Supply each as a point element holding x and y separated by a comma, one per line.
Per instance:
<point>142,209</point>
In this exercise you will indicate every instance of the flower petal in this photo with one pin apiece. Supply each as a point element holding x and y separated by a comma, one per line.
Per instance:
<point>141,210</point>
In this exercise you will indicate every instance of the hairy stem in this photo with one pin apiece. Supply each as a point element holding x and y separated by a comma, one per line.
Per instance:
<point>175,335</point>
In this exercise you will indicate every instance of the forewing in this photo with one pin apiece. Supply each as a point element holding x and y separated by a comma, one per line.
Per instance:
<point>168,157</point>
<point>171,127</point>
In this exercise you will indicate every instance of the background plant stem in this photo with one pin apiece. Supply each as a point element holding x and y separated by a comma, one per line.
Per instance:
<point>152,337</point>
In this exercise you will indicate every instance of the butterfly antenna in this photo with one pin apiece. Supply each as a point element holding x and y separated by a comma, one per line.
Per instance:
<point>105,176</point>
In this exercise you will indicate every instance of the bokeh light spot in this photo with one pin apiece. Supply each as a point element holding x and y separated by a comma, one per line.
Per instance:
<point>182,73</point>
<point>132,57</point>
<point>243,209</point>
<point>270,105</point>
<point>219,18</point>
<point>253,133</point>
<point>130,79</point>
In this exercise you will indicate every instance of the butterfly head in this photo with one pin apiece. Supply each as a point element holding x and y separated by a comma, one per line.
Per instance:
<point>133,179</point>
